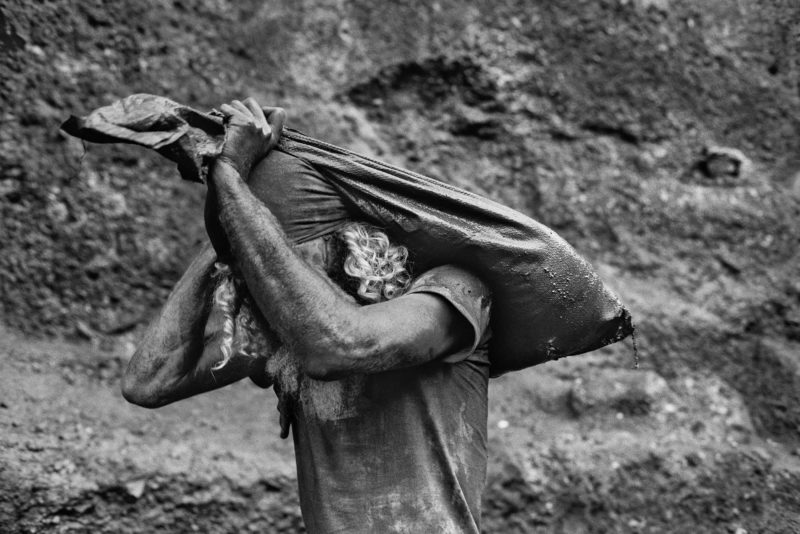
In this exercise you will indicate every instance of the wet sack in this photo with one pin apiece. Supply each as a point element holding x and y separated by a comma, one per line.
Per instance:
<point>547,301</point>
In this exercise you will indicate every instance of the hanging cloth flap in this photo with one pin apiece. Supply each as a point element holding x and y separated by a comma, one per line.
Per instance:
<point>547,301</point>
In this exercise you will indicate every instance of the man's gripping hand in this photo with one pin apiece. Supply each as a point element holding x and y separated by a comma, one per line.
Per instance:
<point>249,133</point>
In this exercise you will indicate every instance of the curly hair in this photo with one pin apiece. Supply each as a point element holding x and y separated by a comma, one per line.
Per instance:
<point>244,331</point>
<point>376,265</point>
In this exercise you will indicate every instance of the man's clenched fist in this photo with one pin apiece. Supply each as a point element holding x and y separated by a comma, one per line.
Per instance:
<point>249,133</point>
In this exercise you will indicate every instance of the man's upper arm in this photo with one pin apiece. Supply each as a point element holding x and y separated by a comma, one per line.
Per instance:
<point>444,316</point>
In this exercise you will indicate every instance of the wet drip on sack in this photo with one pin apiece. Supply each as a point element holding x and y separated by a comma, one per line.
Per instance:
<point>81,159</point>
<point>635,347</point>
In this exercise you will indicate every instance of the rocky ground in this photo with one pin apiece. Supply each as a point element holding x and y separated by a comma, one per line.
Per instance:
<point>660,137</point>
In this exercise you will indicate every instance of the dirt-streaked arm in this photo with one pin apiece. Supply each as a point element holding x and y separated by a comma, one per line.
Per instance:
<point>181,345</point>
<point>332,335</point>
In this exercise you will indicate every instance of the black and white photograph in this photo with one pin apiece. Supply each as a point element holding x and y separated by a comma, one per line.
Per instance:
<point>413,267</point>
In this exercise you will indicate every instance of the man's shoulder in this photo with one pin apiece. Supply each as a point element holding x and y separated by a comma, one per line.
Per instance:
<point>455,278</point>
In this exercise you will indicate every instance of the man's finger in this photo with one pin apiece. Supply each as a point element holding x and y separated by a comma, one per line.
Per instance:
<point>229,110</point>
<point>242,108</point>
<point>253,106</point>
<point>276,118</point>
<point>257,112</point>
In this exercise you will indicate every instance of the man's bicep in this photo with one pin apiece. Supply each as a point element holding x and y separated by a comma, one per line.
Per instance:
<point>444,316</point>
<point>419,328</point>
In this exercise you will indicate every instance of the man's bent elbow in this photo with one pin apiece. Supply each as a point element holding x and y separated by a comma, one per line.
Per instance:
<point>138,391</point>
<point>137,394</point>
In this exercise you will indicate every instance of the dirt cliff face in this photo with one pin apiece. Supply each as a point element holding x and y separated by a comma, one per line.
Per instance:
<point>660,137</point>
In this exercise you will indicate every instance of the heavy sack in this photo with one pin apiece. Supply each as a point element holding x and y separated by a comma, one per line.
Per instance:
<point>547,301</point>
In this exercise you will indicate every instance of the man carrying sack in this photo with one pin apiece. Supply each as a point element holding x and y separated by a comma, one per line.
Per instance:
<point>376,301</point>
<point>381,373</point>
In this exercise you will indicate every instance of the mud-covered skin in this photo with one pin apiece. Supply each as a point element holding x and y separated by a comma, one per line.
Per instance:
<point>332,335</point>
<point>609,104</point>
<point>177,355</point>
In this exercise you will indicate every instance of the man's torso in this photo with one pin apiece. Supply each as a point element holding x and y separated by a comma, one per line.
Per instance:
<point>404,450</point>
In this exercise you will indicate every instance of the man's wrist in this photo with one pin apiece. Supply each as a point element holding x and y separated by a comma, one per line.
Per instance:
<point>226,167</point>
